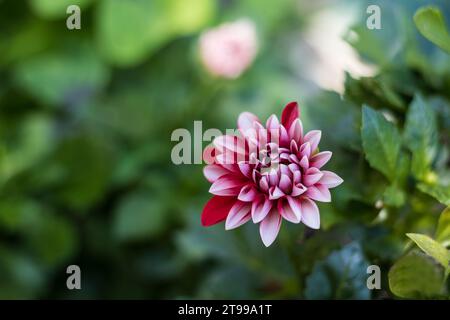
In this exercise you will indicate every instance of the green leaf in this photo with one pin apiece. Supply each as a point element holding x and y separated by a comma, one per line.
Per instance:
<point>367,43</point>
<point>28,39</point>
<point>140,111</point>
<point>190,16</point>
<point>433,248</point>
<point>403,169</point>
<point>380,92</point>
<point>415,275</point>
<point>381,142</point>
<point>382,46</point>
<point>339,124</point>
<point>81,181</point>
<point>131,30</point>
<point>443,229</point>
<point>14,212</point>
<point>52,238</point>
<point>62,76</point>
<point>55,9</point>
<point>34,141</point>
<point>138,217</point>
<point>128,30</point>
<point>431,24</point>
<point>394,196</point>
<point>421,136</point>
<point>22,276</point>
<point>342,275</point>
<point>439,192</point>
<point>229,282</point>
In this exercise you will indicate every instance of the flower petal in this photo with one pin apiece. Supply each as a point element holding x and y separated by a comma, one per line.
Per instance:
<point>246,120</point>
<point>312,176</point>
<point>269,227</point>
<point>320,159</point>
<point>284,169</point>
<point>284,137</point>
<point>296,207</point>
<point>287,212</point>
<point>227,158</point>
<point>296,131</point>
<point>251,136</point>
<point>256,176</point>
<point>216,210</point>
<point>285,184</point>
<point>248,193</point>
<point>313,137</point>
<point>330,179</point>
<point>306,150</point>
<point>227,185</point>
<point>298,189</point>
<point>273,123</point>
<point>260,209</point>
<point>273,177</point>
<point>310,213</point>
<point>238,215</point>
<point>290,114</point>
<point>209,154</point>
<point>304,163</point>
<point>275,193</point>
<point>264,184</point>
<point>297,176</point>
<point>319,192</point>
<point>284,156</point>
<point>293,158</point>
<point>245,168</point>
<point>230,143</point>
<point>212,172</point>
<point>293,147</point>
<point>294,167</point>
<point>233,168</point>
<point>262,135</point>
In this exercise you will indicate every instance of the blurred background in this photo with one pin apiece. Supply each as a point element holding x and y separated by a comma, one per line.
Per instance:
<point>86,118</point>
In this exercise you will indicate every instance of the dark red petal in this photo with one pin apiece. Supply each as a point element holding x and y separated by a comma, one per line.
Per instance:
<point>216,210</point>
<point>290,113</point>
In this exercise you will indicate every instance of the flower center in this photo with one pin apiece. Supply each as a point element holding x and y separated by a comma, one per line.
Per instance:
<point>278,172</point>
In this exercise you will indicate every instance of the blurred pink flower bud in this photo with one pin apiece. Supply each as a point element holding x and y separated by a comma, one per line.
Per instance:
<point>229,49</point>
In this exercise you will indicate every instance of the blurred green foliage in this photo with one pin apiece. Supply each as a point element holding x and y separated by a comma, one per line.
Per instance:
<point>86,177</point>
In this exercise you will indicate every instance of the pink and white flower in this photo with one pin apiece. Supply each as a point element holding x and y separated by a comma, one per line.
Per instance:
<point>267,174</point>
<point>229,49</point>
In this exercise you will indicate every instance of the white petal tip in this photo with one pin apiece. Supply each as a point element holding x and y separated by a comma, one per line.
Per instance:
<point>267,243</point>
<point>312,225</point>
